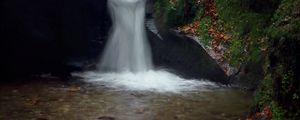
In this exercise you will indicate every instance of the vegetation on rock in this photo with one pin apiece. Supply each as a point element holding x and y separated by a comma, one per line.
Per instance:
<point>249,31</point>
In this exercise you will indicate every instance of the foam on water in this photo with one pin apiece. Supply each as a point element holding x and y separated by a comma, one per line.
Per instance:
<point>155,81</point>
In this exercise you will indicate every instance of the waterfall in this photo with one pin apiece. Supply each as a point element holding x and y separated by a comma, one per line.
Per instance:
<point>127,48</point>
<point>126,63</point>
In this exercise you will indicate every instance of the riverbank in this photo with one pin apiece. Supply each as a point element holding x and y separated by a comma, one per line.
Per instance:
<point>257,38</point>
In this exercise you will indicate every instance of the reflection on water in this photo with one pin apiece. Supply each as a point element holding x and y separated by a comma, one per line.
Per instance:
<point>78,101</point>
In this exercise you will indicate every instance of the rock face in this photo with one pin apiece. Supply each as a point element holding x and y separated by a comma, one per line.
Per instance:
<point>42,36</point>
<point>185,56</point>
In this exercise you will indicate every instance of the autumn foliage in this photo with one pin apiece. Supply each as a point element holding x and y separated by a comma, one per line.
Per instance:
<point>218,36</point>
<point>266,113</point>
<point>190,28</point>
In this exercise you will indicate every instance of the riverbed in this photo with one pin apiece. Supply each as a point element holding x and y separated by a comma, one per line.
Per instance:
<point>52,99</point>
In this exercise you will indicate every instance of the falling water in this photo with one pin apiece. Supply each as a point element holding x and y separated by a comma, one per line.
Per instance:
<point>127,48</point>
<point>127,63</point>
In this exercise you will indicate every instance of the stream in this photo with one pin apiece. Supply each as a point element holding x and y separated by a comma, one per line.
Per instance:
<point>45,99</point>
<point>126,84</point>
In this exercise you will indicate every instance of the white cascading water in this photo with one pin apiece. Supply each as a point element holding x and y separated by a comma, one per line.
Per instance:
<point>127,48</point>
<point>127,63</point>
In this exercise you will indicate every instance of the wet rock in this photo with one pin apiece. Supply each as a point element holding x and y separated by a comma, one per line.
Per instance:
<point>141,110</point>
<point>178,117</point>
<point>74,89</point>
<point>248,76</point>
<point>64,108</point>
<point>106,118</point>
<point>185,57</point>
<point>41,119</point>
<point>32,101</point>
<point>137,94</point>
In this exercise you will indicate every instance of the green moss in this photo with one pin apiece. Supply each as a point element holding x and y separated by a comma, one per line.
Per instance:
<point>235,51</point>
<point>278,113</point>
<point>246,28</point>
<point>264,97</point>
<point>296,96</point>
<point>203,31</point>
<point>264,93</point>
<point>286,81</point>
<point>176,12</point>
<point>285,22</point>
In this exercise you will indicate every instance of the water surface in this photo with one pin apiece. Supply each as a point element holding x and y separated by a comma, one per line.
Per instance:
<point>56,100</point>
